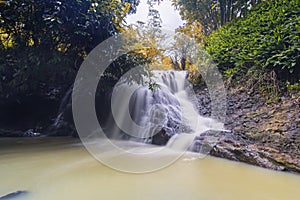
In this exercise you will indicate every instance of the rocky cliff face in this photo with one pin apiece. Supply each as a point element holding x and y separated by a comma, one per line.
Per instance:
<point>262,134</point>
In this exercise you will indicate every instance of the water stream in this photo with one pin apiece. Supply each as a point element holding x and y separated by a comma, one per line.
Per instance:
<point>60,168</point>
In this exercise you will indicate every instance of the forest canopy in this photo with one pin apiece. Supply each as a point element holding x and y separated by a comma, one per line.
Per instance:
<point>44,42</point>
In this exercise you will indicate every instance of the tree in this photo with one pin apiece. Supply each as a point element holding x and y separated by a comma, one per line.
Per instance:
<point>213,14</point>
<point>146,37</point>
<point>44,42</point>
<point>193,30</point>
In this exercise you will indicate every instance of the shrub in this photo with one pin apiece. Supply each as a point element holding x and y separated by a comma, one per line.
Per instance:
<point>268,38</point>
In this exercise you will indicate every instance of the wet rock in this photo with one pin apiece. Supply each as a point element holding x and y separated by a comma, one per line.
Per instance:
<point>238,149</point>
<point>31,133</point>
<point>203,103</point>
<point>14,195</point>
<point>161,138</point>
<point>265,135</point>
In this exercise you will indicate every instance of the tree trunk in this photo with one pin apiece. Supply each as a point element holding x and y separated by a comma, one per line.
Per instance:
<point>232,10</point>
<point>223,11</point>
<point>229,11</point>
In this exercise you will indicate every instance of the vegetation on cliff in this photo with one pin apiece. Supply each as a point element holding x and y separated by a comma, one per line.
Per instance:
<point>255,44</point>
<point>267,39</point>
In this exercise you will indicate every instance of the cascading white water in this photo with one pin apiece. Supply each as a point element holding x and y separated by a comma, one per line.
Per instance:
<point>142,113</point>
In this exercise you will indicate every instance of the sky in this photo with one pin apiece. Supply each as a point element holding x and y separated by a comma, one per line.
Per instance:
<point>170,17</point>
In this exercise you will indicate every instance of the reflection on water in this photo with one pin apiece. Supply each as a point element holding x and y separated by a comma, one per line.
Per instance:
<point>60,168</point>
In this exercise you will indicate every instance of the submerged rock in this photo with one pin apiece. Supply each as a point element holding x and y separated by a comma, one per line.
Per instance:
<point>14,195</point>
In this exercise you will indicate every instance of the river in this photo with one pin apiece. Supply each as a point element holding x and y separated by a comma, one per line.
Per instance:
<point>61,168</point>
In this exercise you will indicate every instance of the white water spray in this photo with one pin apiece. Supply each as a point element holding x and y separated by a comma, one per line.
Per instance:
<point>142,113</point>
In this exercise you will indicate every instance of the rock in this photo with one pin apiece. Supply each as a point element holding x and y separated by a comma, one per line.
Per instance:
<point>14,195</point>
<point>206,141</point>
<point>31,133</point>
<point>265,135</point>
<point>161,138</point>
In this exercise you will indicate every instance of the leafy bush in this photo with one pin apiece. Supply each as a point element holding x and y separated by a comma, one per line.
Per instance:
<point>268,39</point>
<point>42,43</point>
<point>293,88</point>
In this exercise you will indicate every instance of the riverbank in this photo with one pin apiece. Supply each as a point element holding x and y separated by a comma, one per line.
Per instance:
<point>262,133</point>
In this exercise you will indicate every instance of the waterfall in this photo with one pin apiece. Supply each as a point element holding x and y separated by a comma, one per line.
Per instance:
<point>165,114</point>
<point>62,107</point>
<point>63,123</point>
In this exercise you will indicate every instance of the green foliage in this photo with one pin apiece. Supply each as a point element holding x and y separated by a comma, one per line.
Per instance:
<point>44,42</point>
<point>213,14</point>
<point>50,23</point>
<point>119,67</point>
<point>268,38</point>
<point>267,85</point>
<point>230,72</point>
<point>152,85</point>
<point>33,72</point>
<point>292,88</point>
